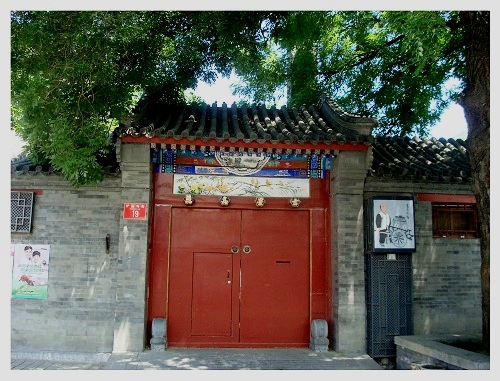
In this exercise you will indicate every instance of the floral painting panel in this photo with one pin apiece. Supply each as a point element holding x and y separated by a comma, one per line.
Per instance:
<point>213,185</point>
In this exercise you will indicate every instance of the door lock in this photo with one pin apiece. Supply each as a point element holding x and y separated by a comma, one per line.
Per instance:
<point>247,249</point>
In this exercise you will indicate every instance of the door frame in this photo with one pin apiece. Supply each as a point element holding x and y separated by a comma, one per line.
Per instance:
<point>164,201</point>
<point>265,277</point>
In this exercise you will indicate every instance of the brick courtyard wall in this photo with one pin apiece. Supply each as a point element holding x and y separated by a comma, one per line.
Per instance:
<point>96,302</point>
<point>446,282</point>
<point>348,285</point>
<point>131,308</point>
<point>78,314</point>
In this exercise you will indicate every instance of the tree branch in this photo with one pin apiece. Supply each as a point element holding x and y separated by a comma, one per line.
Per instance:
<point>364,58</point>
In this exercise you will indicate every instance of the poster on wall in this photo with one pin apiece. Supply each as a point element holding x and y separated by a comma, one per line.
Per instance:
<point>30,271</point>
<point>391,225</point>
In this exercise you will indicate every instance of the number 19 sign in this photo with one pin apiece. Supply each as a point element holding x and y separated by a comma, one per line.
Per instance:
<point>134,211</point>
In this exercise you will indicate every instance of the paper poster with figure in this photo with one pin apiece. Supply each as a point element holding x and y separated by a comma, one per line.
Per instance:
<point>393,224</point>
<point>30,271</point>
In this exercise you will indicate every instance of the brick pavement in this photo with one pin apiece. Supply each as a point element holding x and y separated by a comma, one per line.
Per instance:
<point>211,359</point>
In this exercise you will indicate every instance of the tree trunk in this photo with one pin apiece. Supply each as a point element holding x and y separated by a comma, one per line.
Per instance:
<point>476,103</point>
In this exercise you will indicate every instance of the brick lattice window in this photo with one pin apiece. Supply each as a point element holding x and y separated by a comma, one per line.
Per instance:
<point>21,211</point>
<point>454,221</point>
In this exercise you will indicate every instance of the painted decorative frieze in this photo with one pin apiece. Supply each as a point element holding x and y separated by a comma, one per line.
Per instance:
<point>255,174</point>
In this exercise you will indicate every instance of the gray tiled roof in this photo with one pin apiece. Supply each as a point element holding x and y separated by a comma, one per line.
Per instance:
<point>24,165</point>
<point>426,158</point>
<point>322,126</point>
<point>226,125</point>
<point>430,159</point>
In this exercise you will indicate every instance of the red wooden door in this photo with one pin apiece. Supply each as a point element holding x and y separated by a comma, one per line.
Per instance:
<point>201,307</point>
<point>275,277</point>
<point>212,294</point>
<point>258,296</point>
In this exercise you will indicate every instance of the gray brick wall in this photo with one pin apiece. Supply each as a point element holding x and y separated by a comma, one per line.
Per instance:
<point>79,310</point>
<point>446,281</point>
<point>446,271</point>
<point>131,309</point>
<point>347,252</point>
<point>96,301</point>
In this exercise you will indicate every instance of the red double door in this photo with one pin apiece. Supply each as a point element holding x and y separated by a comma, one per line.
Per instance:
<point>239,278</point>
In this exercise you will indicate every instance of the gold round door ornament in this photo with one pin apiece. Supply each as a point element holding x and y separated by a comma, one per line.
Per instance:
<point>224,201</point>
<point>260,202</point>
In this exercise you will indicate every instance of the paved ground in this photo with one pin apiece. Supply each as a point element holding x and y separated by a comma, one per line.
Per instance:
<point>210,359</point>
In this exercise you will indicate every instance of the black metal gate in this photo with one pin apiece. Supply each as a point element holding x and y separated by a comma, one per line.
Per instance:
<point>389,301</point>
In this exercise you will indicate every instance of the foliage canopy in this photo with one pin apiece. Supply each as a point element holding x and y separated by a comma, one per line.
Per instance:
<point>392,65</point>
<point>74,74</point>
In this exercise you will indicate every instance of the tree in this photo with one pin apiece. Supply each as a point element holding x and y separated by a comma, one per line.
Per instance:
<point>72,74</point>
<point>476,103</point>
<point>75,73</point>
<point>371,63</point>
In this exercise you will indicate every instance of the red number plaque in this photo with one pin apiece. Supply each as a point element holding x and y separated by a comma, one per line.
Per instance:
<point>134,211</point>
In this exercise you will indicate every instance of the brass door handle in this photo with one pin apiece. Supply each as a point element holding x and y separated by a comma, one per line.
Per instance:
<point>247,249</point>
<point>235,249</point>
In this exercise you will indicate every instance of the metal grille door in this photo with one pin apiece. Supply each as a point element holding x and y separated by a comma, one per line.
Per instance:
<point>388,301</point>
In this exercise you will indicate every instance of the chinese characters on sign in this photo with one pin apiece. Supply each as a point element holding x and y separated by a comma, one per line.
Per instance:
<point>30,271</point>
<point>134,211</point>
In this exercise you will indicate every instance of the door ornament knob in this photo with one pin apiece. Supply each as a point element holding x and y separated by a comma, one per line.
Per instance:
<point>295,202</point>
<point>224,201</point>
<point>246,249</point>
<point>260,202</point>
<point>235,249</point>
<point>188,199</point>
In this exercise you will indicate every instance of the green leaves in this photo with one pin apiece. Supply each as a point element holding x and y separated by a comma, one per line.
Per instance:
<point>389,64</point>
<point>74,74</point>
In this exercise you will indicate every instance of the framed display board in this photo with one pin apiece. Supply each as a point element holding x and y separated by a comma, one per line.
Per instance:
<point>390,224</point>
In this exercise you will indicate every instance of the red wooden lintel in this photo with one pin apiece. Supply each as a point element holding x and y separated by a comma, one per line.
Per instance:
<point>447,198</point>
<point>38,192</point>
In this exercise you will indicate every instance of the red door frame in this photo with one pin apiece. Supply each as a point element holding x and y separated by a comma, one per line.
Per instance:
<point>266,303</point>
<point>161,214</point>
